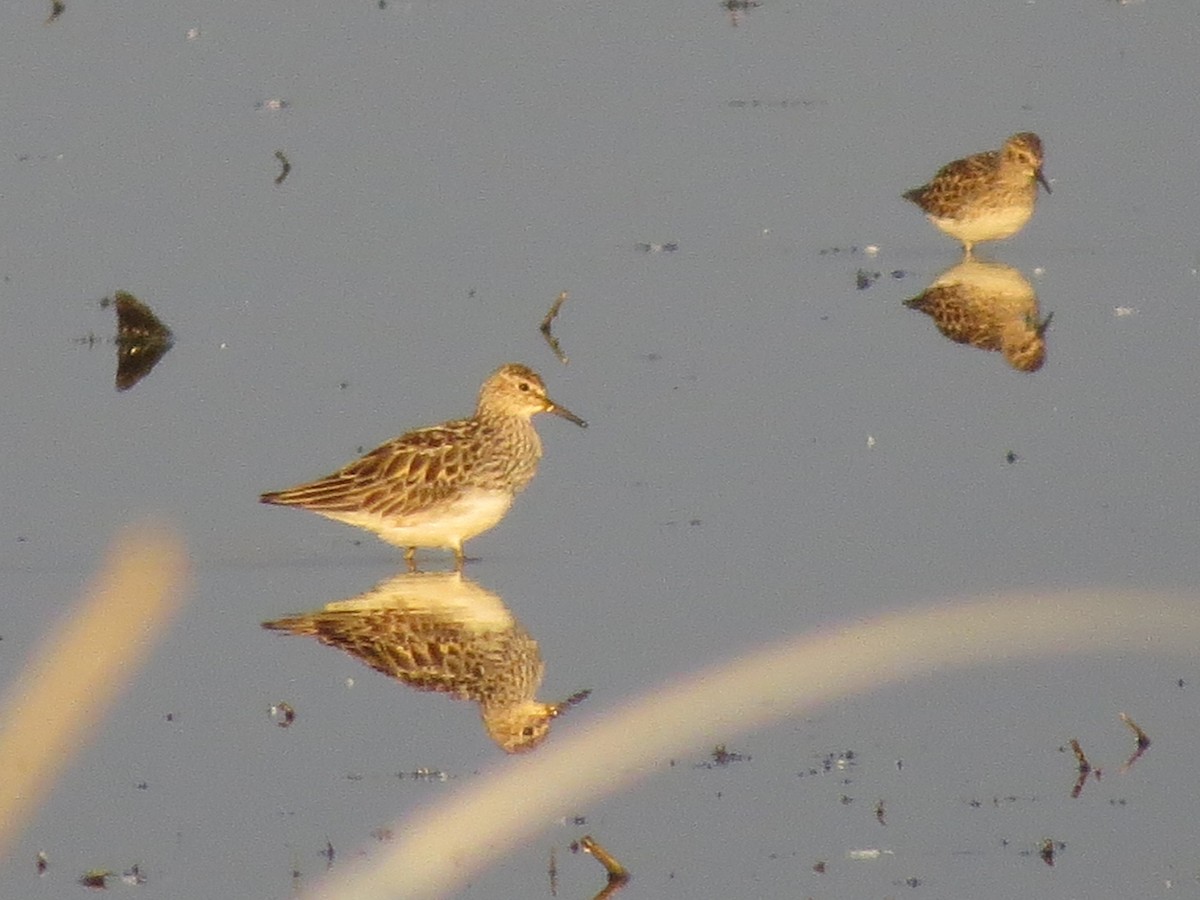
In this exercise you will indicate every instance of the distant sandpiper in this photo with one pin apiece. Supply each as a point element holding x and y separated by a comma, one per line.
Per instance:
<point>988,196</point>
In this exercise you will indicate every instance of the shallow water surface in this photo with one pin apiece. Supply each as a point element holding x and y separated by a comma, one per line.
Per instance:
<point>776,443</point>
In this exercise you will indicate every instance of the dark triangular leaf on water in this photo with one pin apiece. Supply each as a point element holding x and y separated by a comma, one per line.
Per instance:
<point>135,320</point>
<point>142,340</point>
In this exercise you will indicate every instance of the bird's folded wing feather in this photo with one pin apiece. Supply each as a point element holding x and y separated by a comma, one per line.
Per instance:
<point>405,474</point>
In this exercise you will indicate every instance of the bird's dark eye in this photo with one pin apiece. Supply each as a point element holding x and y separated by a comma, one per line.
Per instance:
<point>524,385</point>
<point>527,731</point>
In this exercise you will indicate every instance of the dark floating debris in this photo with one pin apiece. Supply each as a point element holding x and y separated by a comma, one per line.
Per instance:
<point>142,340</point>
<point>880,816</point>
<point>721,757</point>
<point>836,761</point>
<point>618,875</point>
<point>864,278</point>
<point>737,9</point>
<point>287,166</point>
<point>782,103</point>
<point>441,631</point>
<point>283,714</point>
<point>95,879</point>
<point>990,306</point>
<point>548,323</point>
<point>1048,850</point>
<point>552,873</point>
<point>669,247</point>
<point>42,862</point>
<point>1143,742</point>
<point>57,8</point>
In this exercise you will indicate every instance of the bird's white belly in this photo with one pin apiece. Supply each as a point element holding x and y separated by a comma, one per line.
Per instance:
<point>470,513</point>
<point>990,225</point>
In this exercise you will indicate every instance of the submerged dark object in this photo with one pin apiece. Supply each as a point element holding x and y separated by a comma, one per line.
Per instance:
<point>142,340</point>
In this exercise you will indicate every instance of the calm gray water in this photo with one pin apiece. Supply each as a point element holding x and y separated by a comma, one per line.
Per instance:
<point>772,449</point>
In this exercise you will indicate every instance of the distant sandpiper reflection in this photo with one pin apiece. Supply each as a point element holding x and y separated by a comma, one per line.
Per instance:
<point>440,631</point>
<point>442,485</point>
<point>991,306</point>
<point>988,196</point>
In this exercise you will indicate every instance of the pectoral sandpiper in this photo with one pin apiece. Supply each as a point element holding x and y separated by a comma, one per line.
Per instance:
<point>442,485</point>
<point>988,196</point>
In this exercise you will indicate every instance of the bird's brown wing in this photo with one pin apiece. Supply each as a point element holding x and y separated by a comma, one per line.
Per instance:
<point>403,475</point>
<point>950,184</point>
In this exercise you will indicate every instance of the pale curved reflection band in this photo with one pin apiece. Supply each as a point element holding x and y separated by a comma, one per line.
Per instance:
<point>444,845</point>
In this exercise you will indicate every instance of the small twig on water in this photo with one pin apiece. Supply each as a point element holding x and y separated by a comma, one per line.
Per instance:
<point>287,166</point>
<point>1085,769</point>
<point>547,324</point>
<point>1143,742</point>
<point>618,875</point>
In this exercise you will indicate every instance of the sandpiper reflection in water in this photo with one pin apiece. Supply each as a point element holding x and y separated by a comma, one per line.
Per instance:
<point>988,196</point>
<point>441,631</point>
<point>442,485</point>
<point>991,306</point>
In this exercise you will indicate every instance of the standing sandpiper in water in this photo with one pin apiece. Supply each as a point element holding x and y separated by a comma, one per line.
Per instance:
<point>988,196</point>
<point>442,485</point>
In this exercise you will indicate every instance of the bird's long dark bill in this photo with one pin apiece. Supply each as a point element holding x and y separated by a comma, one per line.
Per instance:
<point>574,700</point>
<point>1042,180</point>
<point>566,414</point>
